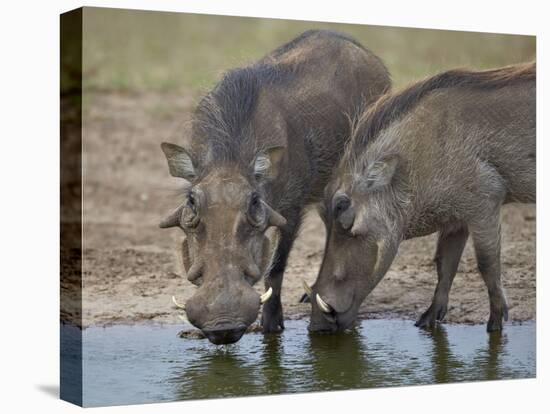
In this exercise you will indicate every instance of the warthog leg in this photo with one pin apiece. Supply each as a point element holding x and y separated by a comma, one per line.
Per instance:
<point>307,295</point>
<point>486,237</point>
<point>272,312</point>
<point>450,246</point>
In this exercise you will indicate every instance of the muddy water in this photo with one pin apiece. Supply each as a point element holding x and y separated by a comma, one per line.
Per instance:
<point>144,363</point>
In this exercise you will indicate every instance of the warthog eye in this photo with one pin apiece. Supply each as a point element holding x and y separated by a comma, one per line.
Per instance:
<point>191,202</point>
<point>341,204</point>
<point>256,211</point>
<point>190,218</point>
<point>342,211</point>
<point>195,279</point>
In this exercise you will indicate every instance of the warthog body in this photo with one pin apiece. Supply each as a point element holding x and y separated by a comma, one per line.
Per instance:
<point>263,145</point>
<point>441,156</point>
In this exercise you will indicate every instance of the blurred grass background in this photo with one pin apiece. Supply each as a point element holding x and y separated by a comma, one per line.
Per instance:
<point>136,51</point>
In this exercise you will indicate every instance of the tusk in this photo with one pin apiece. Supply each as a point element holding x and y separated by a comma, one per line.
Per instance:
<point>178,305</point>
<point>264,298</point>
<point>325,307</point>
<point>183,318</point>
<point>306,288</point>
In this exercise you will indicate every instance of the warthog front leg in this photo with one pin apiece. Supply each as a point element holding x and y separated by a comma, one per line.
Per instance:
<point>450,246</point>
<point>272,312</point>
<point>486,237</point>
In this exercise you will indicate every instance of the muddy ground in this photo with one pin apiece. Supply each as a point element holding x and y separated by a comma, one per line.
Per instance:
<point>129,267</point>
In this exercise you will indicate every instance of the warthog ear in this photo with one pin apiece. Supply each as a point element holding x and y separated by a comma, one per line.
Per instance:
<point>180,163</point>
<point>380,172</point>
<point>267,163</point>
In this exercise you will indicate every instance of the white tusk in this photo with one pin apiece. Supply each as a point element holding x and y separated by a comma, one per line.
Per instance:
<point>178,305</point>
<point>183,318</point>
<point>264,298</point>
<point>306,288</point>
<point>322,304</point>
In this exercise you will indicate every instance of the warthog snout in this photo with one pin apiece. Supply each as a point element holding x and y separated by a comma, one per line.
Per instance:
<point>223,311</point>
<point>224,319</point>
<point>225,303</point>
<point>328,318</point>
<point>226,334</point>
<point>349,268</point>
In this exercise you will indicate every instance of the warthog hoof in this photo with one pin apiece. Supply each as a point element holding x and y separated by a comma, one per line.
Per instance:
<point>272,316</point>
<point>496,319</point>
<point>435,313</point>
<point>305,298</point>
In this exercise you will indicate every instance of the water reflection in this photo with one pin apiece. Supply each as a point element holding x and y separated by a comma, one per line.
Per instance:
<point>445,365</point>
<point>273,370</point>
<point>453,364</point>
<point>337,361</point>
<point>228,371</point>
<point>129,364</point>
<point>489,359</point>
<point>277,364</point>
<point>219,373</point>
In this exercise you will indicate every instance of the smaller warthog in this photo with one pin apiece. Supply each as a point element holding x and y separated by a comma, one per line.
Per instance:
<point>443,156</point>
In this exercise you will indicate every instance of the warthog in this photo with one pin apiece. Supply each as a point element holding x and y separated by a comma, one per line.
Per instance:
<point>443,155</point>
<point>263,144</point>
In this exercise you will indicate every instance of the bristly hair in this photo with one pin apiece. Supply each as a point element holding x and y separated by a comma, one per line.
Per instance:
<point>294,43</point>
<point>393,106</point>
<point>223,116</point>
<point>223,113</point>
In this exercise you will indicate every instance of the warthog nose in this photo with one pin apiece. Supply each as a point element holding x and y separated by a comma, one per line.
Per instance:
<point>225,334</point>
<point>323,327</point>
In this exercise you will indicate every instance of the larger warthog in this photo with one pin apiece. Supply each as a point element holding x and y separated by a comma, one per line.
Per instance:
<point>443,156</point>
<point>263,144</point>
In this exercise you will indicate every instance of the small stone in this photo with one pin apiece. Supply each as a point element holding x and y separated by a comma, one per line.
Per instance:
<point>191,334</point>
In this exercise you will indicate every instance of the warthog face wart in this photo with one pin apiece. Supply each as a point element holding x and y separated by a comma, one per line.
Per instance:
<point>227,250</point>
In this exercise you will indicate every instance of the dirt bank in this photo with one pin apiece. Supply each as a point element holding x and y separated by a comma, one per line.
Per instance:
<point>130,270</point>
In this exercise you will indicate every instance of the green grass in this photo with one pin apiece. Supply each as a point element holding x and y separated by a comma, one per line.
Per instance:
<point>156,51</point>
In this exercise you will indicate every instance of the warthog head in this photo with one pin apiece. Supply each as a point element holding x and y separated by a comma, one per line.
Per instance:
<point>226,251</point>
<point>361,217</point>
